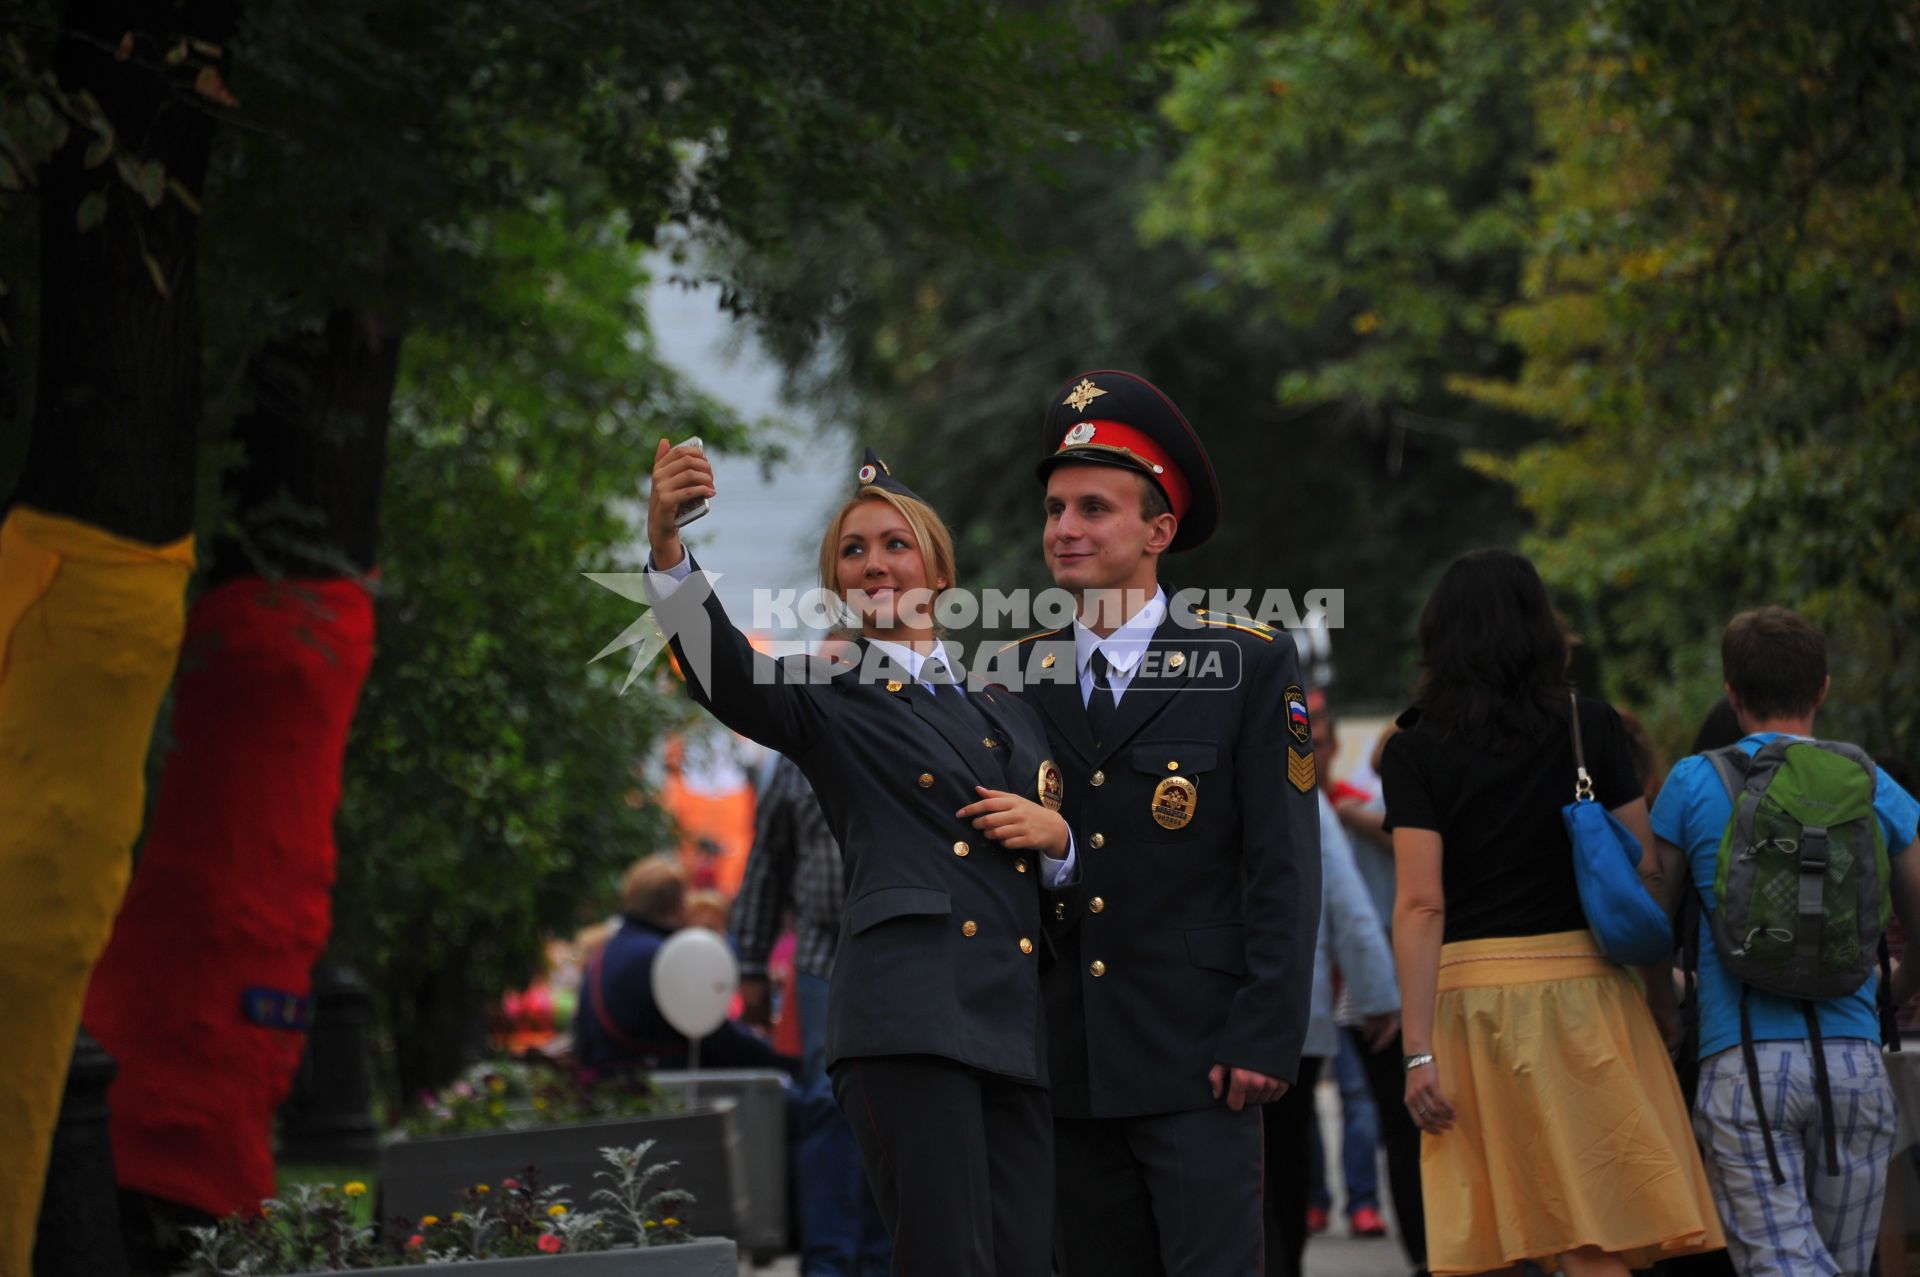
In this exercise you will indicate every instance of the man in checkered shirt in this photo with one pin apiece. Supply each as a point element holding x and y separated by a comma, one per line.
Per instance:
<point>794,868</point>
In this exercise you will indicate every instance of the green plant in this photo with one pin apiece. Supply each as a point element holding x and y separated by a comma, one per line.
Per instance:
<point>651,1216</point>
<point>500,1094</point>
<point>313,1228</point>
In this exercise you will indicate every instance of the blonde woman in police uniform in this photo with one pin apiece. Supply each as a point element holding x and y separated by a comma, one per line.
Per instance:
<point>944,801</point>
<point>1179,1000</point>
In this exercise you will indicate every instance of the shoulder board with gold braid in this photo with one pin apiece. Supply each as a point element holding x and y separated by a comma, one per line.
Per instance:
<point>1030,638</point>
<point>1228,620</point>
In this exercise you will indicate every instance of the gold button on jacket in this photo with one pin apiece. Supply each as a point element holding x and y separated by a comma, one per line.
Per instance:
<point>1026,945</point>
<point>1098,967</point>
<point>1097,841</point>
<point>961,849</point>
<point>1096,904</point>
<point>969,928</point>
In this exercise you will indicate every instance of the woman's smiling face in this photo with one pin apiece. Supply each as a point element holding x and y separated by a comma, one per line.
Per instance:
<point>878,561</point>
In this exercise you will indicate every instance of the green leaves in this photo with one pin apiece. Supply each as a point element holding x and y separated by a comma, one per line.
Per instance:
<point>1717,304</point>
<point>485,796</point>
<point>1357,166</point>
<point>146,178</point>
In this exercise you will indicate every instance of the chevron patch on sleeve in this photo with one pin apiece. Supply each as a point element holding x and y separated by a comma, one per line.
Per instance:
<point>1300,769</point>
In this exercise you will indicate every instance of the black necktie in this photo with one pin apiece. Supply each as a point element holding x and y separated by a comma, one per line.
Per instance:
<point>1102,703</point>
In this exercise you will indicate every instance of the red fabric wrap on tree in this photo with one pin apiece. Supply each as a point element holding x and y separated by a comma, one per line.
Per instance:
<point>233,889</point>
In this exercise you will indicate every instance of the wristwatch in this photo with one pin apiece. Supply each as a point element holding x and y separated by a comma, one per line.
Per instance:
<point>1408,1063</point>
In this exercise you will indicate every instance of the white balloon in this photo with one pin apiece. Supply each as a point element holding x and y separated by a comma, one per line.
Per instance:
<point>694,979</point>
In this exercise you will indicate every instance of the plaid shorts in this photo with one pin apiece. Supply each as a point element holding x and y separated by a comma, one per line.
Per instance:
<point>1815,1223</point>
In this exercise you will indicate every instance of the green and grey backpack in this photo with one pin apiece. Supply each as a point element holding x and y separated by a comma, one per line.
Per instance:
<point>1800,890</point>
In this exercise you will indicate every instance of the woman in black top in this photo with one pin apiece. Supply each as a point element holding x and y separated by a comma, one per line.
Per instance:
<point>1555,1129</point>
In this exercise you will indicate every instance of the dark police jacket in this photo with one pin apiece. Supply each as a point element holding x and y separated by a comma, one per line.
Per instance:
<point>1188,938</point>
<point>939,950</point>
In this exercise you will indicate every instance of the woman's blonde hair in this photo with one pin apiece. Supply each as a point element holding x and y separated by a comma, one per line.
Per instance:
<point>929,533</point>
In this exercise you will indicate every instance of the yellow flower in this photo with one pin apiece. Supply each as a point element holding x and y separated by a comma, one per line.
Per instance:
<point>481,1188</point>
<point>355,1188</point>
<point>457,1217</point>
<point>556,1210</point>
<point>671,1222</point>
<point>497,1085</point>
<point>653,1223</point>
<point>428,1221</point>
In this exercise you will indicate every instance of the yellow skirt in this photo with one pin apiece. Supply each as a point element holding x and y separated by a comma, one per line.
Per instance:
<point>1570,1127</point>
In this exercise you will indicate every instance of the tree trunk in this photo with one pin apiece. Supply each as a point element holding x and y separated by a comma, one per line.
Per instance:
<point>118,397</point>
<point>94,555</point>
<point>307,497</point>
<point>205,993</point>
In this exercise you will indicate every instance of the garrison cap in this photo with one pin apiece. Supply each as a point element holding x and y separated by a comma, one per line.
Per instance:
<point>1114,418</point>
<point>874,474</point>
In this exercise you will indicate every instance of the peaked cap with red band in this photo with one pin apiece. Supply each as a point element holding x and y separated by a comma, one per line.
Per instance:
<point>1114,418</point>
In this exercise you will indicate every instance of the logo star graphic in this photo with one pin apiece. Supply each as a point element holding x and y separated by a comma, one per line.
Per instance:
<point>645,634</point>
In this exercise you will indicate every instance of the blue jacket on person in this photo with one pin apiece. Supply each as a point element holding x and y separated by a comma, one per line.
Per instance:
<point>1351,937</point>
<point>619,1025</point>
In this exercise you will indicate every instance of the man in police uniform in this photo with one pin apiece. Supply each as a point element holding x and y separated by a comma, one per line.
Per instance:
<point>1178,991</point>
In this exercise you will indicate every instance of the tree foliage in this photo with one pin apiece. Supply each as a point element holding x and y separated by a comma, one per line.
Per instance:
<point>491,791</point>
<point>1209,254</point>
<point>481,177</point>
<point>1717,313</point>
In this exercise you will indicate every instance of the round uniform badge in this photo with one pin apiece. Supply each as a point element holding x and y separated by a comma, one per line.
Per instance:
<point>868,474</point>
<point>1052,786</point>
<point>1082,433</point>
<point>1174,800</point>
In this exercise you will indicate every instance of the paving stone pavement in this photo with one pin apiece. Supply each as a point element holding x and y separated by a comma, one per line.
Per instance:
<point>1332,1254</point>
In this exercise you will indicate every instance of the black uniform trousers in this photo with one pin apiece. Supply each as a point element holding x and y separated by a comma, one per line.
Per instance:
<point>1289,1179</point>
<point>960,1162</point>
<point>1164,1195</point>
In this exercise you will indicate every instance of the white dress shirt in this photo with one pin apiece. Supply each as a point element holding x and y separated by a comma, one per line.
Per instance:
<point>1124,647</point>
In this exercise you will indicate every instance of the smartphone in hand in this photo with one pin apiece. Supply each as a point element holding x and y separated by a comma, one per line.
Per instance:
<point>698,508</point>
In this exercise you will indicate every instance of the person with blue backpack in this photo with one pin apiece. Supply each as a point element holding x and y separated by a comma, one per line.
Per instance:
<point>1798,850</point>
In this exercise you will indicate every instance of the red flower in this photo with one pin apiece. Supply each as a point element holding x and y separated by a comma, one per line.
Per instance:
<point>415,1240</point>
<point>551,1243</point>
<point>509,1184</point>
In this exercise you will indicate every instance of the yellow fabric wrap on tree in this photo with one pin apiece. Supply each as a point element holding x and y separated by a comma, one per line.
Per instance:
<point>90,627</point>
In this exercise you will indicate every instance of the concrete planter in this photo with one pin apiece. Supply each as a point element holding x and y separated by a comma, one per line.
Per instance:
<point>706,1257</point>
<point>422,1176</point>
<point>760,1100</point>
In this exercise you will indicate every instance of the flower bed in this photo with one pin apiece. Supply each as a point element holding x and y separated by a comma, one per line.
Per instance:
<point>761,1099</point>
<point>502,1094</point>
<point>635,1224</point>
<point>422,1175</point>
